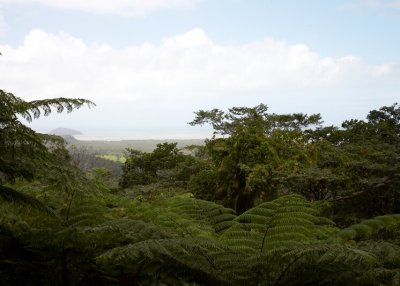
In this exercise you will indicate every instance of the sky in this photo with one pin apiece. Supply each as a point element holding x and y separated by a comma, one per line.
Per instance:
<point>150,64</point>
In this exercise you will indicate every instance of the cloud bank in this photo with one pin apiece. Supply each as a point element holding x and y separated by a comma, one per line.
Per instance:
<point>136,86</point>
<point>47,65</point>
<point>120,7</point>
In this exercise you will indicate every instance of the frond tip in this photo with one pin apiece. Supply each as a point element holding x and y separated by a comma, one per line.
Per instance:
<point>10,105</point>
<point>36,107</point>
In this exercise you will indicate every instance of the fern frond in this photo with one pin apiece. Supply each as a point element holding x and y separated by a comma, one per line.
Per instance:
<point>15,196</point>
<point>33,109</point>
<point>219,217</point>
<point>84,213</point>
<point>182,255</point>
<point>387,253</point>
<point>369,228</point>
<point>321,264</point>
<point>284,222</point>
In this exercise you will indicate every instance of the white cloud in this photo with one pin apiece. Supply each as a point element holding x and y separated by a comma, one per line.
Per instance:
<point>172,78</point>
<point>121,7</point>
<point>49,65</point>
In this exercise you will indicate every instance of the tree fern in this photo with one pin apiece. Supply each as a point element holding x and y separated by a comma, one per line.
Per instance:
<point>219,217</point>
<point>283,242</point>
<point>190,256</point>
<point>116,241</point>
<point>370,228</point>
<point>286,221</point>
<point>23,152</point>
<point>60,240</point>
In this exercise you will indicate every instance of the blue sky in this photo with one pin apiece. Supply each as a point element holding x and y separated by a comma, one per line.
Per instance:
<point>149,64</point>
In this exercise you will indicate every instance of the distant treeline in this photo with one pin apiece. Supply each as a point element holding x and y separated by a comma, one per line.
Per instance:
<point>119,147</point>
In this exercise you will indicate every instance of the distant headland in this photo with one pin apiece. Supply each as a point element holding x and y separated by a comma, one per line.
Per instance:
<point>65,131</point>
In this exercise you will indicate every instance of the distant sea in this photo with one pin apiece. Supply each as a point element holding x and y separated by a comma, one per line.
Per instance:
<point>93,137</point>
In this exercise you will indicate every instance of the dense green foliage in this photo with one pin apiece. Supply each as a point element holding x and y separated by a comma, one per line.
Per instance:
<point>165,164</point>
<point>270,200</point>
<point>267,155</point>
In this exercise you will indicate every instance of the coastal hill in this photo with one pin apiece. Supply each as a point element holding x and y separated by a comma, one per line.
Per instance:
<point>64,131</point>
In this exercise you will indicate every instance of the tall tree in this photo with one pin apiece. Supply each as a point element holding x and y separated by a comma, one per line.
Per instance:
<point>251,137</point>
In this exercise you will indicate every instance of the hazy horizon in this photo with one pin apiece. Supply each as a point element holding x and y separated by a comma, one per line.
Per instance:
<point>154,136</point>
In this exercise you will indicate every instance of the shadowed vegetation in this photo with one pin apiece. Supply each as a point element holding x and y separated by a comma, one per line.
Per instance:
<point>269,200</point>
